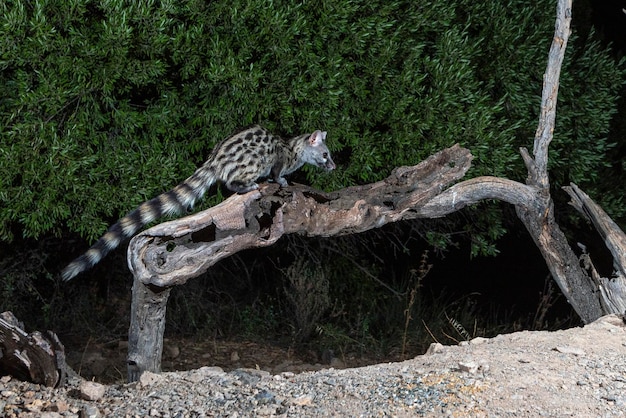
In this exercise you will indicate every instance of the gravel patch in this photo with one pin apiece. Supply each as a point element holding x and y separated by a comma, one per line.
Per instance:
<point>580,372</point>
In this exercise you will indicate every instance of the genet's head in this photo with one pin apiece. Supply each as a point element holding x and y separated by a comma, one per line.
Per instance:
<point>317,152</point>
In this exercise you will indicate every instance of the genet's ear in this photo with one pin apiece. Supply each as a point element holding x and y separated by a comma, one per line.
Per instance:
<point>317,138</point>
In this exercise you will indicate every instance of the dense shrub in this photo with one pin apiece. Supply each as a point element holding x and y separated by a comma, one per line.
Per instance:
<point>105,104</point>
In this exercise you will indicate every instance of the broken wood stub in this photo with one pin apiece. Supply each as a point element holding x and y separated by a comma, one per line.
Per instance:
<point>611,290</point>
<point>147,325</point>
<point>35,357</point>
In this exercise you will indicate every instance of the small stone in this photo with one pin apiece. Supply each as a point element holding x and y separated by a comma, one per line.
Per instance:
<point>49,415</point>
<point>234,356</point>
<point>468,366</point>
<point>90,411</point>
<point>205,372</point>
<point>266,411</point>
<point>435,348</point>
<point>91,391</point>
<point>478,340</point>
<point>148,379</point>
<point>35,405</point>
<point>264,397</point>
<point>59,406</point>
<point>5,379</point>
<point>303,400</point>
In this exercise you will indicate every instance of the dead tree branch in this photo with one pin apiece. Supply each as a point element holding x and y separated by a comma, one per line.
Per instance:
<point>612,290</point>
<point>171,253</point>
<point>538,215</point>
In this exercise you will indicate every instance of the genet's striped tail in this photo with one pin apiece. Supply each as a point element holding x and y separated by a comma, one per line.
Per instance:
<point>174,202</point>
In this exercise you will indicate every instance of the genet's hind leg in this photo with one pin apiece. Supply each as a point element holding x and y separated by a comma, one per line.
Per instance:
<point>241,187</point>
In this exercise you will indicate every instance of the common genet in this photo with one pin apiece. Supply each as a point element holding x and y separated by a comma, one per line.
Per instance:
<point>238,162</point>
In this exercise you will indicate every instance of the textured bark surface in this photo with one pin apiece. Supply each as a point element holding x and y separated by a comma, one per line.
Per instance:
<point>612,290</point>
<point>35,357</point>
<point>147,325</point>
<point>171,253</point>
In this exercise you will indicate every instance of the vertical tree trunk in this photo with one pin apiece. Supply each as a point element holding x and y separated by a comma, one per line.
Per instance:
<point>564,265</point>
<point>538,217</point>
<point>147,324</point>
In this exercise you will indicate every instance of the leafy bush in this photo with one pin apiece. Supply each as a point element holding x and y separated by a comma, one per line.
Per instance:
<point>307,294</point>
<point>105,104</point>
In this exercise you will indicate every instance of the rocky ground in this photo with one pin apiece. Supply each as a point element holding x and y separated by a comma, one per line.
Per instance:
<point>579,372</point>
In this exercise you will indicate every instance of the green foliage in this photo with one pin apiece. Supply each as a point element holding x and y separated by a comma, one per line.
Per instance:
<point>307,292</point>
<point>106,104</point>
<point>581,149</point>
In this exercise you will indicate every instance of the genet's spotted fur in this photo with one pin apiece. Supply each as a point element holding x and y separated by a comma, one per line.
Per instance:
<point>237,162</point>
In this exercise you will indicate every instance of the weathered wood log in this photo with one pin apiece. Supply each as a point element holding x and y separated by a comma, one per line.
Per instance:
<point>34,357</point>
<point>171,253</point>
